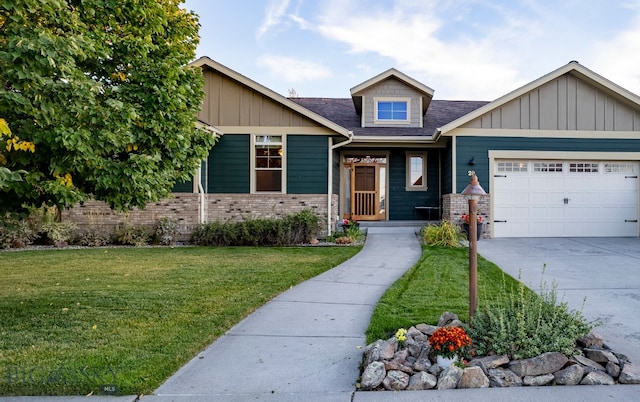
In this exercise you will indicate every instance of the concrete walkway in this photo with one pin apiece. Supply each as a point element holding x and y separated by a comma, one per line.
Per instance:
<point>307,343</point>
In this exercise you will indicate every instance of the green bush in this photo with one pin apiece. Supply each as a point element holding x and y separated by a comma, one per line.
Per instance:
<point>289,230</point>
<point>16,231</point>
<point>165,232</point>
<point>58,233</point>
<point>92,237</point>
<point>526,325</point>
<point>131,235</point>
<point>445,234</point>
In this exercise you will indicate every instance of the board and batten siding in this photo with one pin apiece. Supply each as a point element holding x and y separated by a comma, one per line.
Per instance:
<point>229,103</point>
<point>389,89</point>
<point>401,203</point>
<point>566,103</point>
<point>229,165</point>
<point>478,147</point>
<point>307,164</point>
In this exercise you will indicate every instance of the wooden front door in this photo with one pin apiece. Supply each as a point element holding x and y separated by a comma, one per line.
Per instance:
<point>367,200</point>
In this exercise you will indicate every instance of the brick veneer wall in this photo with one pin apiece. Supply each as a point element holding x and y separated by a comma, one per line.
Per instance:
<point>184,207</point>
<point>454,205</point>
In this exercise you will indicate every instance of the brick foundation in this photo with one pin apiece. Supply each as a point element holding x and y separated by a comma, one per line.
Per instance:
<point>454,205</point>
<point>185,208</point>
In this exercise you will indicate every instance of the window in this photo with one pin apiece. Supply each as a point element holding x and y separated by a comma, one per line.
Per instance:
<point>416,171</point>
<point>619,167</point>
<point>392,110</point>
<point>582,167</point>
<point>268,163</point>
<point>513,166</point>
<point>544,167</point>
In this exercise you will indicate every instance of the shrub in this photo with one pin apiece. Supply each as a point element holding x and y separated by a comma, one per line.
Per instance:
<point>165,232</point>
<point>131,235</point>
<point>58,233</point>
<point>92,237</point>
<point>444,234</point>
<point>16,232</point>
<point>288,230</point>
<point>526,325</point>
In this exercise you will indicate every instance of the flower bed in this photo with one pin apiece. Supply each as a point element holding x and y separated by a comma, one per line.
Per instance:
<point>410,363</point>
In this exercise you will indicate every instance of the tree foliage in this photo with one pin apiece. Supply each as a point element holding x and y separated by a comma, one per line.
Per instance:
<point>103,91</point>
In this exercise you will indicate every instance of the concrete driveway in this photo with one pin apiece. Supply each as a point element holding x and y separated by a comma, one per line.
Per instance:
<point>604,270</point>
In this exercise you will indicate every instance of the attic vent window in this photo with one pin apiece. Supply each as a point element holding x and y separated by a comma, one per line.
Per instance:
<point>392,110</point>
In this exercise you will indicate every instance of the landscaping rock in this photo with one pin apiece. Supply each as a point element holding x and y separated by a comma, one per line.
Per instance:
<point>426,329</point>
<point>545,363</point>
<point>373,376</point>
<point>379,350</point>
<point>500,378</point>
<point>391,366</point>
<point>572,375</point>
<point>489,362</point>
<point>473,377</point>
<point>591,339</point>
<point>395,380</point>
<point>422,365</point>
<point>450,378</point>
<point>630,374</point>
<point>447,318</point>
<point>538,380</point>
<point>421,381</point>
<point>597,378</point>
<point>585,361</point>
<point>601,355</point>
<point>613,370</point>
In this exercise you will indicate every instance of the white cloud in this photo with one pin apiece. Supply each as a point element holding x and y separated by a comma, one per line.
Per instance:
<point>293,70</point>
<point>467,67</point>
<point>274,13</point>
<point>618,59</point>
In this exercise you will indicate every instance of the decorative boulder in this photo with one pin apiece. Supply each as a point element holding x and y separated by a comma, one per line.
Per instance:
<point>545,363</point>
<point>373,376</point>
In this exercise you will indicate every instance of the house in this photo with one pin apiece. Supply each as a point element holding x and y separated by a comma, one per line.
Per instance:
<point>558,157</point>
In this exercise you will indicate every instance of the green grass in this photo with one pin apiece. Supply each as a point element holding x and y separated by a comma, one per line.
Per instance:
<point>439,282</point>
<point>73,320</point>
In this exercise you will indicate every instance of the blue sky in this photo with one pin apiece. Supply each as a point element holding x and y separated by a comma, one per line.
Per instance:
<point>463,49</point>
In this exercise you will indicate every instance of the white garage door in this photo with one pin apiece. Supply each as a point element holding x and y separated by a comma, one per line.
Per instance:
<point>535,198</point>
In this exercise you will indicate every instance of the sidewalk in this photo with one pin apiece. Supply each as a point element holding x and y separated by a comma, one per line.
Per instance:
<point>307,343</point>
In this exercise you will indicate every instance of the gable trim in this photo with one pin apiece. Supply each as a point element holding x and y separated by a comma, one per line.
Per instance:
<point>577,134</point>
<point>274,96</point>
<point>392,72</point>
<point>573,67</point>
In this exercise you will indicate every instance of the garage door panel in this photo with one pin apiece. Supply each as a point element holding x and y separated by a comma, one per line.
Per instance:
<point>600,196</point>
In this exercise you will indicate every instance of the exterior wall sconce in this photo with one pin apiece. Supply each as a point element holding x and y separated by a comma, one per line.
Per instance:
<point>472,161</point>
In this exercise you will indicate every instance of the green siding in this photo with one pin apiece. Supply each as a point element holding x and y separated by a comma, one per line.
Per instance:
<point>402,203</point>
<point>478,148</point>
<point>229,165</point>
<point>307,164</point>
<point>337,162</point>
<point>447,169</point>
<point>183,187</point>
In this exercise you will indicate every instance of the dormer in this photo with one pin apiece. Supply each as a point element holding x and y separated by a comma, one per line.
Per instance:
<point>391,99</point>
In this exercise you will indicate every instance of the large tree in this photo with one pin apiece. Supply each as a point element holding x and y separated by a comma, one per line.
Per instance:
<point>103,91</point>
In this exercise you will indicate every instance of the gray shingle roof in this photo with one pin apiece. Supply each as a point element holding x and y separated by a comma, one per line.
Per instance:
<point>342,111</point>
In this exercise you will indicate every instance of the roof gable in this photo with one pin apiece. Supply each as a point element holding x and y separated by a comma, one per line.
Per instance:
<point>274,100</point>
<point>425,92</point>
<point>569,98</point>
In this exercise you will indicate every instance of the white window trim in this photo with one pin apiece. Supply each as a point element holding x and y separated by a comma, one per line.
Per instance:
<point>389,99</point>
<point>252,164</point>
<point>408,185</point>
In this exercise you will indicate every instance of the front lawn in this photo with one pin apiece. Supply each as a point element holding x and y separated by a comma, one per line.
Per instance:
<point>72,321</point>
<point>439,282</point>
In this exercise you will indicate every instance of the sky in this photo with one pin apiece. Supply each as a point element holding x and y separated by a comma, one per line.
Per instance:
<point>462,49</point>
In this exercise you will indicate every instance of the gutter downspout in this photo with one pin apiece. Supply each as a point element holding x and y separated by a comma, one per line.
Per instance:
<point>201,191</point>
<point>333,147</point>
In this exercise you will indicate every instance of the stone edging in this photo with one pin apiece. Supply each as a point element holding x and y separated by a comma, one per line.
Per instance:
<point>414,367</point>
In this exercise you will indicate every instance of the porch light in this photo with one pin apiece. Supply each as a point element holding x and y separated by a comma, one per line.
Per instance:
<point>473,191</point>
